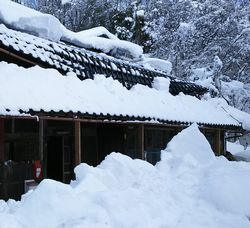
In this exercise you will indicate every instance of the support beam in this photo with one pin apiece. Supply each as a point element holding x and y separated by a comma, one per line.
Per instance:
<point>77,142</point>
<point>41,139</point>
<point>1,140</point>
<point>141,141</point>
<point>218,143</point>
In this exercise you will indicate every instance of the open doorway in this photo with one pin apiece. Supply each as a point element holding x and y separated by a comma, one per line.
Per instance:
<point>55,158</point>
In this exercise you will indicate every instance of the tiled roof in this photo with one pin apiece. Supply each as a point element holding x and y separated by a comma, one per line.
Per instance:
<point>45,92</point>
<point>66,58</point>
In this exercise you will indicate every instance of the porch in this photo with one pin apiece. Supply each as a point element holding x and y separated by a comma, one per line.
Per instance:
<point>62,143</point>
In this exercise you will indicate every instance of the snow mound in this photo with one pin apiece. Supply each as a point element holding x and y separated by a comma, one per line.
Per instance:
<point>97,32</point>
<point>23,18</point>
<point>157,64</point>
<point>109,44</point>
<point>161,84</point>
<point>191,143</point>
<point>125,193</point>
<point>238,151</point>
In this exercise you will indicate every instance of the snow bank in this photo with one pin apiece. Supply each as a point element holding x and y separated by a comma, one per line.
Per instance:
<point>21,89</point>
<point>182,190</point>
<point>238,151</point>
<point>23,18</point>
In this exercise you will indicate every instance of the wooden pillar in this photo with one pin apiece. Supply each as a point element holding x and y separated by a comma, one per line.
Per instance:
<point>77,142</point>
<point>41,139</point>
<point>1,140</point>
<point>141,141</point>
<point>218,143</point>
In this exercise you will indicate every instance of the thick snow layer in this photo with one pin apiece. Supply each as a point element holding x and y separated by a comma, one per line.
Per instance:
<point>23,18</point>
<point>90,39</point>
<point>161,84</point>
<point>157,64</point>
<point>240,116</point>
<point>36,88</point>
<point>238,151</point>
<point>96,32</point>
<point>188,188</point>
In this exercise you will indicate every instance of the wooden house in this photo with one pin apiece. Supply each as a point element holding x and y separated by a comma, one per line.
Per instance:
<point>52,132</point>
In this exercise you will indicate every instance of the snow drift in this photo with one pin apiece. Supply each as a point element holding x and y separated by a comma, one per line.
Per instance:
<point>190,187</point>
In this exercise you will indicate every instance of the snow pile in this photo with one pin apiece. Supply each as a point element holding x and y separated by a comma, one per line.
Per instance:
<point>161,84</point>
<point>96,32</point>
<point>21,89</point>
<point>93,39</point>
<point>188,188</point>
<point>23,18</point>
<point>157,64</point>
<point>238,151</point>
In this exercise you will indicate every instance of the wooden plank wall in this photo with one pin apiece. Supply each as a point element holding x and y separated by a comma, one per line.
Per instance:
<point>1,140</point>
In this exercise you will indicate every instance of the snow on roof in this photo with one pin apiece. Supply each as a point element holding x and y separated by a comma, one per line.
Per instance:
<point>97,32</point>
<point>47,26</point>
<point>46,89</point>
<point>85,63</point>
<point>91,39</point>
<point>240,116</point>
<point>23,18</point>
<point>157,64</point>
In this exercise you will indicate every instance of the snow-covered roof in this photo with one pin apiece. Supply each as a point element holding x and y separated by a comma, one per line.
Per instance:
<point>84,63</point>
<point>37,90</point>
<point>49,27</point>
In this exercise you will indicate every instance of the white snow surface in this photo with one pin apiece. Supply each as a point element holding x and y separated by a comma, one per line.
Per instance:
<point>242,117</point>
<point>157,64</point>
<point>189,187</point>
<point>91,39</point>
<point>23,18</point>
<point>37,88</point>
<point>238,151</point>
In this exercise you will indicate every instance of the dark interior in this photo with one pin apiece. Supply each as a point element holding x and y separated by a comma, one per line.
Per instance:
<point>99,140</point>
<point>55,158</point>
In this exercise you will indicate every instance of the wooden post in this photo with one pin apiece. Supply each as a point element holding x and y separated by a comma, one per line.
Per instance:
<point>141,141</point>
<point>217,143</point>
<point>1,140</point>
<point>77,142</point>
<point>41,139</point>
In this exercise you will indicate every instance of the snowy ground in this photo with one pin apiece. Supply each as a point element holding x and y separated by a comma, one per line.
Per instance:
<point>189,188</point>
<point>238,151</point>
